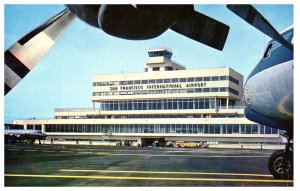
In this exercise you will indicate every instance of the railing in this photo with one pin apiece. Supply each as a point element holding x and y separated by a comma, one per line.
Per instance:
<point>232,107</point>
<point>77,110</point>
<point>98,109</point>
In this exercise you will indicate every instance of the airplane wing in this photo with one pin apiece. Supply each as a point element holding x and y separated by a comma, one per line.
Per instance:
<point>125,21</point>
<point>140,22</point>
<point>254,18</point>
<point>203,29</point>
<point>22,56</point>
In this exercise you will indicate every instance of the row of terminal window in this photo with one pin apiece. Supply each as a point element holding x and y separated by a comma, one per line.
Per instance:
<point>167,91</point>
<point>166,104</point>
<point>221,103</point>
<point>162,128</point>
<point>167,80</point>
<point>152,116</point>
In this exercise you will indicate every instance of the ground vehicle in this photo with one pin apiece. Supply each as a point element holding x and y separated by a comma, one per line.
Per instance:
<point>204,145</point>
<point>169,144</point>
<point>186,144</point>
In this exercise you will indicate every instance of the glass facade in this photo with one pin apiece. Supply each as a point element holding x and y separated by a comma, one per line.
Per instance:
<point>163,53</point>
<point>167,91</point>
<point>162,128</point>
<point>163,104</point>
<point>168,80</point>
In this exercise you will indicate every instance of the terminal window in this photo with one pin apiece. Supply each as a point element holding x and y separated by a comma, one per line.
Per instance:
<point>168,68</point>
<point>206,78</point>
<point>155,69</point>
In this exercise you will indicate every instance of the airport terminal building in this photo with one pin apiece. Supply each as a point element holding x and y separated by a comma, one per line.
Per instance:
<point>166,102</point>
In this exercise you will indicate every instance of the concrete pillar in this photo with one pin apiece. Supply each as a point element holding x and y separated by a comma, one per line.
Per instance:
<point>227,103</point>
<point>216,105</point>
<point>43,128</point>
<point>25,126</point>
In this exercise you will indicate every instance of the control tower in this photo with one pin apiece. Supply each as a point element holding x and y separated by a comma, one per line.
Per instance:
<point>160,60</point>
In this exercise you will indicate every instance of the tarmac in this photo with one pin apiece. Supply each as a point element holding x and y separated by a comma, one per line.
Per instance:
<point>110,166</point>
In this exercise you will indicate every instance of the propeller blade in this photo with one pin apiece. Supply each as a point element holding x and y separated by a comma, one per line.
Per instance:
<point>254,18</point>
<point>203,29</point>
<point>22,56</point>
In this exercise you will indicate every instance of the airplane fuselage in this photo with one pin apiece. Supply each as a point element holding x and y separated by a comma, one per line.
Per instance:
<point>13,135</point>
<point>268,91</point>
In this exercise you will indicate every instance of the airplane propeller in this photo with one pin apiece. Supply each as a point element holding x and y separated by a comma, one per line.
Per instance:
<point>22,56</point>
<point>138,22</point>
<point>135,22</point>
<point>254,18</point>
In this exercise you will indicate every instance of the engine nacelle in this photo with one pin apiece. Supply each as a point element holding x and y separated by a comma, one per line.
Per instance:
<point>87,13</point>
<point>132,22</point>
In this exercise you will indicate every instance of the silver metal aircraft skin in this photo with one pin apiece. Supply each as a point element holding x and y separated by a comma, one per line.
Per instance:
<point>269,89</point>
<point>24,135</point>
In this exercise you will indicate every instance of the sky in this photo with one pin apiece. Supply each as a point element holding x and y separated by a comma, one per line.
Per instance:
<point>63,78</point>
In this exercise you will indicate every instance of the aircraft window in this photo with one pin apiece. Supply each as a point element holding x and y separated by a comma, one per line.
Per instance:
<point>267,51</point>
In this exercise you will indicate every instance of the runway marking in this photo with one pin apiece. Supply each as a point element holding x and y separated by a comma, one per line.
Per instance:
<point>30,150</point>
<point>102,153</point>
<point>47,151</point>
<point>66,151</point>
<point>85,152</point>
<point>164,172</point>
<point>13,149</point>
<point>200,156</point>
<point>147,178</point>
